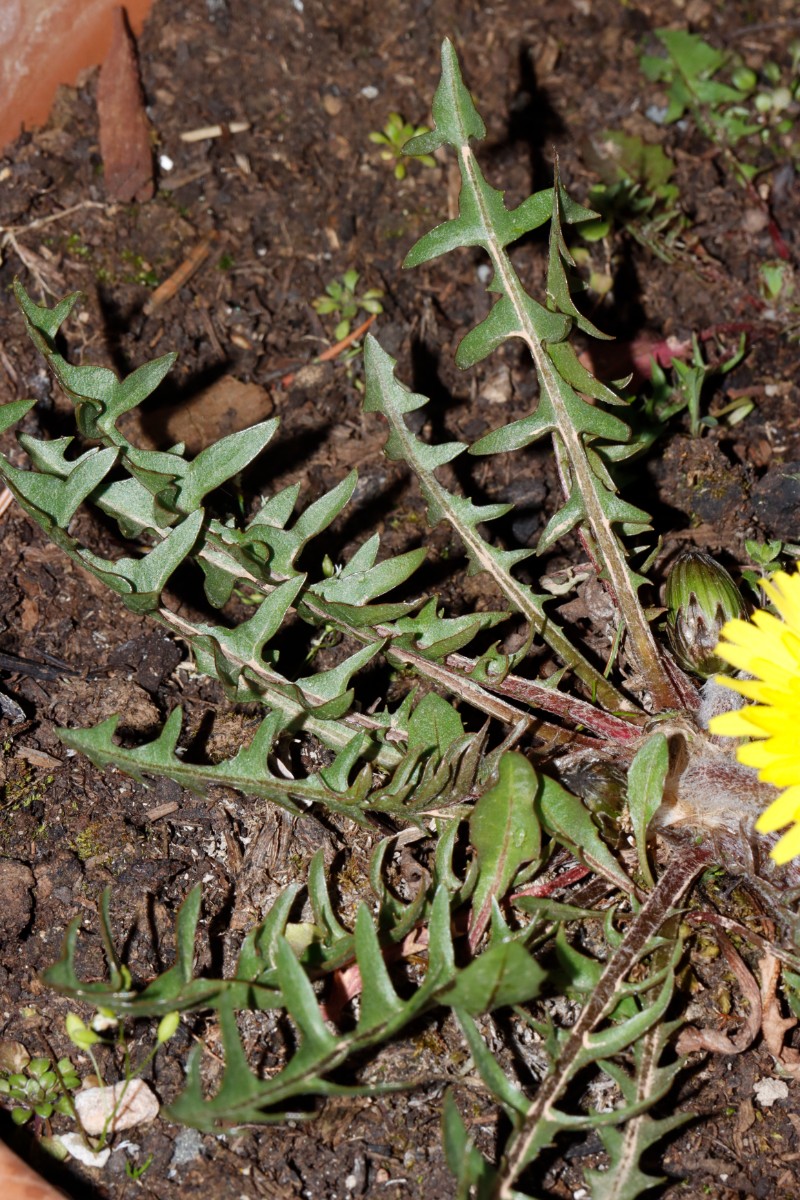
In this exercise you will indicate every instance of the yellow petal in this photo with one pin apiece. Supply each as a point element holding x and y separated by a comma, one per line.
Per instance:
<point>774,724</point>
<point>783,810</point>
<point>754,754</point>
<point>784,592</point>
<point>783,745</point>
<point>782,773</point>
<point>733,724</point>
<point>788,847</point>
<point>768,649</point>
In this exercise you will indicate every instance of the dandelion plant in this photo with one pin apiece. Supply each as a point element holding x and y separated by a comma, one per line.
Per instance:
<point>454,761</point>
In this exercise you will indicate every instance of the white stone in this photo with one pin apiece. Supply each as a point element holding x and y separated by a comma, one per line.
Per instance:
<point>74,1144</point>
<point>767,1091</point>
<point>131,1104</point>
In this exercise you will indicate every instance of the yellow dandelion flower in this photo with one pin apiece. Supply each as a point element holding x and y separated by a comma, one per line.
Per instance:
<point>768,648</point>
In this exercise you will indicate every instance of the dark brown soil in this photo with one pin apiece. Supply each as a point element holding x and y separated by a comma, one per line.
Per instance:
<point>297,200</point>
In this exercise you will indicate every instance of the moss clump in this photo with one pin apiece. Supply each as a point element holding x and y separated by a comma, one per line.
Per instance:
<point>88,844</point>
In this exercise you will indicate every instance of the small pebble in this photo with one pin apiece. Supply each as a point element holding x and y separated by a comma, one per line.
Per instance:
<point>188,1147</point>
<point>767,1091</point>
<point>16,888</point>
<point>369,92</point>
<point>754,220</point>
<point>656,113</point>
<point>134,1105</point>
<point>77,1148</point>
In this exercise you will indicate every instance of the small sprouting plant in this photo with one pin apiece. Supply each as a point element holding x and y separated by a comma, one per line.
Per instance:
<point>396,133</point>
<point>75,245</point>
<point>635,194</point>
<point>768,557</point>
<point>139,270</point>
<point>455,764</point>
<point>729,103</point>
<point>690,378</point>
<point>778,285</point>
<point>665,397</point>
<point>776,281</point>
<point>106,1030</point>
<point>136,1171</point>
<point>32,1087</point>
<point>342,301</point>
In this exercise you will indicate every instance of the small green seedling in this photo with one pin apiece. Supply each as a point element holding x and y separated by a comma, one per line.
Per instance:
<point>396,132</point>
<point>136,1172</point>
<point>139,270</point>
<point>778,287</point>
<point>730,104</point>
<point>774,95</point>
<point>769,557</point>
<point>84,1037</point>
<point>667,396</point>
<point>690,378</point>
<point>75,246</point>
<point>776,283</point>
<point>341,298</point>
<point>635,194</point>
<point>32,1087</point>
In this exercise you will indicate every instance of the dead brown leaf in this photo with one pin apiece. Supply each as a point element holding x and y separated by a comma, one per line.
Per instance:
<point>774,1026</point>
<point>124,128</point>
<point>691,1039</point>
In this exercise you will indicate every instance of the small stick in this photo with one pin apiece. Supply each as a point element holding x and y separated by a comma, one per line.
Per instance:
<point>175,183</point>
<point>6,498</point>
<point>57,216</point>
<point>170,287</point>
<point>335,351</point>
<point>214,131</point>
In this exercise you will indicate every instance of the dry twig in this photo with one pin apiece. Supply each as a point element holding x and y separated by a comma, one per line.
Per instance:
<point>214,131</point>
<point>182,274</point>
<point>334,351</point>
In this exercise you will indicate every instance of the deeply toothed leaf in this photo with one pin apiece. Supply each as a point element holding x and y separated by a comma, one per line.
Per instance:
<point>141,581</point>
<point>387,395</point>
<point>60,498</point>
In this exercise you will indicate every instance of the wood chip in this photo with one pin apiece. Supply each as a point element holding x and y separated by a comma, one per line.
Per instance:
<point>163,810</point>
<point>37,758</point>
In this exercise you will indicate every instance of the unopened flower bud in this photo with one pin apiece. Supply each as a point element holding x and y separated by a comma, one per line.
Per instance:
<point>701,597</point>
